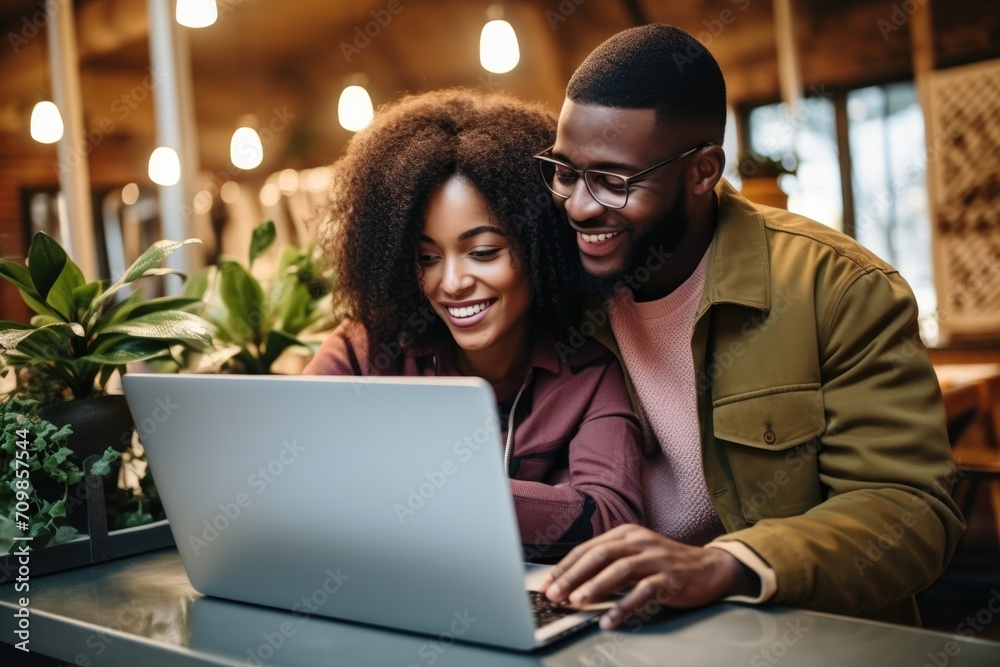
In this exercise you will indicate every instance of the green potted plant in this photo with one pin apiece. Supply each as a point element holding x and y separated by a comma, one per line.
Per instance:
<point>256,323</point>
<point>37,471</point>
<point>79,336</point>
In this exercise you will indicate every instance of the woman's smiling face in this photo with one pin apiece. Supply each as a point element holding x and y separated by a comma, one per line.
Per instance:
<point>469,270</point>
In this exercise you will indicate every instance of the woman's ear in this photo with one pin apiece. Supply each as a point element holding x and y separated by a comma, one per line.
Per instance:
<point>706,170</point>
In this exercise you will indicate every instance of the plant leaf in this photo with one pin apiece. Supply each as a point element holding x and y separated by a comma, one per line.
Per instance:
<point>84,295</point>
<point>162,303</point>
<point>61,297</point>
<point>46,260</point>
<point>197,284</point>
<point>155,254</point>
<point>296,316</point>
<point>165,325</point>
<point>277,342</point>
<point>163,272</point>
<point>129,350</point>
<point>118,312</point>
<point>18,276</point>
<point>262,239</point>
<point>103,466</point>
<point>58,509</point>
<point>39,306</point>
<point>242,295</point>
<point>42,320</point>
<point>12,339</point>
<point>63,534</point>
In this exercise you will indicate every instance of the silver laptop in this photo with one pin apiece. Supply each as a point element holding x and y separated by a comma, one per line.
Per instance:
<point>378,500</point>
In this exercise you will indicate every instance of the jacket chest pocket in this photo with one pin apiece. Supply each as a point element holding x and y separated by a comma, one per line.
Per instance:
<point>771,438</point>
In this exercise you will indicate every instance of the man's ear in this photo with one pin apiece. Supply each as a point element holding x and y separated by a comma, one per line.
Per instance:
<point>706,170</point>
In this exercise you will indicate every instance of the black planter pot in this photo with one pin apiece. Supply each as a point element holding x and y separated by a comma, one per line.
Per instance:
<point>98,423</point>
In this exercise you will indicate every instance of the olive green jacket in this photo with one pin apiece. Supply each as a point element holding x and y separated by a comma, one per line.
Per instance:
<point>822,425</point>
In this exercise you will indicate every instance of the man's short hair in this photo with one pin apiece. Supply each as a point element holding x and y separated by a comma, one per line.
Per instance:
<point>657,67</point>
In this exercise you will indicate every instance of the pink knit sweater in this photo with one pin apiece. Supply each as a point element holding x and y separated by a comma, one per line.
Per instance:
<point>655,341</point>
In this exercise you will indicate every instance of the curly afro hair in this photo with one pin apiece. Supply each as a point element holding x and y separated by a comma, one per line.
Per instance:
<point>382,186</point>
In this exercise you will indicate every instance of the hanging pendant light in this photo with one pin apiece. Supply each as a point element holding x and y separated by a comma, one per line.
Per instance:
<point>355,111</point>
<point>46,123</point>
<point>245,149</point>
<point>196,13</point>
<point>498,50</point>
<point>164,166</point>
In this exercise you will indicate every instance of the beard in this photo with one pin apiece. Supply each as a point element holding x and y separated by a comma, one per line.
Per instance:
<point>664,235</point>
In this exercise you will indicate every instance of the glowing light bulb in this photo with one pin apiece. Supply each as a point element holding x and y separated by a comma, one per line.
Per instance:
<point>498,51</point>
<point>245,150</point>
<point>196,13</point>
<point>354,111</point>
<point>46,123</point>
<point>164,166</point>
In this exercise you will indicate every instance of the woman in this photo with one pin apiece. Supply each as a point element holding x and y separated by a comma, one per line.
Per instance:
<point>452,261</point>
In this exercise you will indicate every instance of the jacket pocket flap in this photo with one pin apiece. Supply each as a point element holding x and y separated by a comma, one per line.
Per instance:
<point>775,420</point>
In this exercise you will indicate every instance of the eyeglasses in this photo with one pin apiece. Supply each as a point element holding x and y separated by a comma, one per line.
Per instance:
<point>609,189</point>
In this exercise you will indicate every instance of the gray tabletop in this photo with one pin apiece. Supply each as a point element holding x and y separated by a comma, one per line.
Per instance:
<point>142,611</point>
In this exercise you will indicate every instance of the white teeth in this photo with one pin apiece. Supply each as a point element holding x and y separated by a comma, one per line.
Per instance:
<point>469,311</point>
<point>597,238</point>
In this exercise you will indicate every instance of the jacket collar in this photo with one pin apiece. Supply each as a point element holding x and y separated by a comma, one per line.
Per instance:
<point>739,270</point>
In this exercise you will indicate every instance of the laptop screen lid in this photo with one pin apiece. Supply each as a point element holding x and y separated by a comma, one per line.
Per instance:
<point>379,500</point>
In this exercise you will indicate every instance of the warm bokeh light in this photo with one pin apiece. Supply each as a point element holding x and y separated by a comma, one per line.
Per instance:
<point>354,110</point>
<point>130,194</point>
<point>245,150</point>
<point>288,181</point>
<point>498,50</point>
<point>46,123</point>
<point>202,202</point>
<point>270,194</point>
<point>196,13</point>
<point>318,179</point>
<point>230,192</point>
<point>164,166</point>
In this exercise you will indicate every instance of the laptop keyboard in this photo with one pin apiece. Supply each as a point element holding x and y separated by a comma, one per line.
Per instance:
<point>546,612</point>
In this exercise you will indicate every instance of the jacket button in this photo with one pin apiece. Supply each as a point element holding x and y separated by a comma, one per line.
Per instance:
<point>769,437</point>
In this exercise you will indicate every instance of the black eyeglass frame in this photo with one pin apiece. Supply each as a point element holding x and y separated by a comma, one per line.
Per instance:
<point>542,158</point>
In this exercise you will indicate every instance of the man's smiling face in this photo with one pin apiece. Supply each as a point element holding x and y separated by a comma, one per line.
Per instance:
<point>625,142</point>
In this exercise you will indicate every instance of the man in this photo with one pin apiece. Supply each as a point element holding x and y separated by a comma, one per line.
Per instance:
<point>799,449</point>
